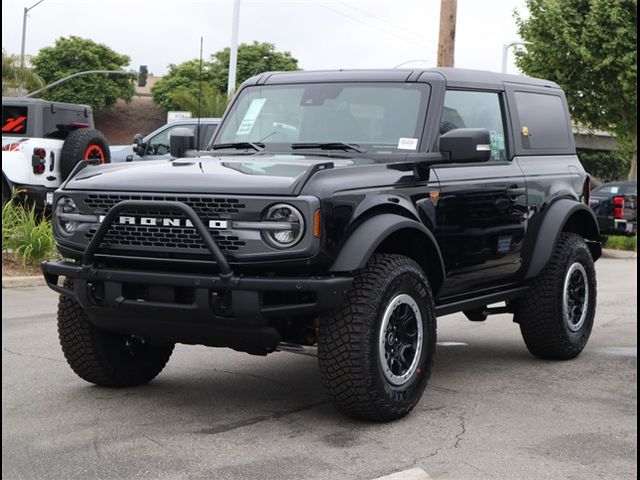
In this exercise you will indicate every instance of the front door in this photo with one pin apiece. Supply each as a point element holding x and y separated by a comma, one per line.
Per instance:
<point>482,210</point>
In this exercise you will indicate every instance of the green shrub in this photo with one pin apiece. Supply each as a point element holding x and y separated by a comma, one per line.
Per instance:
<point>622,243</point>
<point>606,166</point>
<point>26,234</point>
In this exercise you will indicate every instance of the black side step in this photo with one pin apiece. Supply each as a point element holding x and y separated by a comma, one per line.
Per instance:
<point>481,301</point>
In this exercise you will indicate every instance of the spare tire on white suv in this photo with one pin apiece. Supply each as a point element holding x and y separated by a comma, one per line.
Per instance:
<point>83,144</point>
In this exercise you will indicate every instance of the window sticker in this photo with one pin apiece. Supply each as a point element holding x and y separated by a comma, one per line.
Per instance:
<point>498,146</point>
<point>407,143</point>
<point>615,189</point>
<point>250,116</point>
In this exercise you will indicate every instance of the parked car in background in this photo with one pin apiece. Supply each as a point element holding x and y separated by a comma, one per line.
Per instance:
<point>42,142</point>
<point>155,146</point>
<point>616,207</point>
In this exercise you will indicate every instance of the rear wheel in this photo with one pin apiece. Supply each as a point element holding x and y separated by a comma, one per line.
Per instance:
<point>376,351</point>
<point>83,144</point>
<point>105,358</point>
<point>556,316</point>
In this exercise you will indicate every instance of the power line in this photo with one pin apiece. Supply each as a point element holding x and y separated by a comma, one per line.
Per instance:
<point>359,20</point>
<point>387,22</point>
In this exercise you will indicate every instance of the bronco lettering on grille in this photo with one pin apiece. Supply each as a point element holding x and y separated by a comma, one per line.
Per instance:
<point>165,222</point>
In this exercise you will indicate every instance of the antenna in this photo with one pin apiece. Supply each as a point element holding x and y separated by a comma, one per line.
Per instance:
<point>199,99</point>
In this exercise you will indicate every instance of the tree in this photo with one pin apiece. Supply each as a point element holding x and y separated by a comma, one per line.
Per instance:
<point>253,58</point>
<point>13,74</point>
<point>75,54</point>
<point>184,76</point>
<point>182,81</point>
<point>212,104</point>
<point>589,48</point>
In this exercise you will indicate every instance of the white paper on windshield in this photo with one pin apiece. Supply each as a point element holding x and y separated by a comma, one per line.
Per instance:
<point>407,143</point>
<point>250,116</point>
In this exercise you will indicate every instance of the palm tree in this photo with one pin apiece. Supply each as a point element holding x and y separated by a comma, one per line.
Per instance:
<point>213,102</point>
<point>14,74</point>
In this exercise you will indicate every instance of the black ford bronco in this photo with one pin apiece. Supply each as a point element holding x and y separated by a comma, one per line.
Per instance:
<point>343,209</point>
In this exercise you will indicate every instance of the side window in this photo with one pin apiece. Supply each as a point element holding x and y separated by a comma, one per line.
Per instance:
<point>159,143</point>
<point>468,109</point>
<point>543,121</point>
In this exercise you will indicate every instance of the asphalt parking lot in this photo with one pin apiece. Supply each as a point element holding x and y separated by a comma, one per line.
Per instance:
<point>491,410</point>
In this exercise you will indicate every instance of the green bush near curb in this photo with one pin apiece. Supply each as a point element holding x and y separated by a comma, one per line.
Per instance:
<point>622,243</point>
<point>26,234</point>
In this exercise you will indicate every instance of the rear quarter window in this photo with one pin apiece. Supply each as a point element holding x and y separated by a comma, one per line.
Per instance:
<point>543,121</point>
<point>14,120</point>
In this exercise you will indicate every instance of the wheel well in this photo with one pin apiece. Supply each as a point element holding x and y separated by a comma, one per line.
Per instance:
<point>416,245</point>
<point>582,223</point>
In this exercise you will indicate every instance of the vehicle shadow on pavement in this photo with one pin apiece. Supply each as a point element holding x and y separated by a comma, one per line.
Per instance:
<point>210,398</point>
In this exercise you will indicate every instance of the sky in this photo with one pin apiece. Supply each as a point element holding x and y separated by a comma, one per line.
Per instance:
<point>321,34</point>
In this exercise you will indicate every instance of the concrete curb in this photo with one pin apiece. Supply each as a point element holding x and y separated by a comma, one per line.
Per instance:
<point>31,281</point>
<point>624,254</point>
<point>411,474</point>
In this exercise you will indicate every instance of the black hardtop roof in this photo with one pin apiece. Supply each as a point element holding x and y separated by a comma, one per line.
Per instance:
<point>454,77</point>
<point>34,101</point>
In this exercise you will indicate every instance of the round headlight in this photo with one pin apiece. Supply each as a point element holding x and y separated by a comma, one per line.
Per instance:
<point>284,226</point>
<point>66,216</point>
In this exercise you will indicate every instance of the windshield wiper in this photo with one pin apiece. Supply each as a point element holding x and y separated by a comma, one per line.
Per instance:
<point>329,146</point>
<point>258,147</point>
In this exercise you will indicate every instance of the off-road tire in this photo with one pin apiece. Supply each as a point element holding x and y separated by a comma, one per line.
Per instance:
<point>348,337</point>
<point>82,144</point>
<point>540,313</point>
<point>102,357</point>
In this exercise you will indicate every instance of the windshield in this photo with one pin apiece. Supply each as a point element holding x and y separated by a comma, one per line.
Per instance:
<point>378,117</point>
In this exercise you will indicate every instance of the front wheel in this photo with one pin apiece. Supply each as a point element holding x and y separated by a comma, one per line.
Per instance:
<point>376,351</point>
<point>105,358</point>
<point>556,316</point>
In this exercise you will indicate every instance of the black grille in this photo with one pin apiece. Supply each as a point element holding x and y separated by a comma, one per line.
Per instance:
<point>205,207</point>
<point>140,237</point>
<point>181,239</point>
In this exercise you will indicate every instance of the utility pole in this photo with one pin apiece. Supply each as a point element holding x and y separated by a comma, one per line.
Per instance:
<point>447,40</point>
<point>24,38</point>
<point>233,58</point>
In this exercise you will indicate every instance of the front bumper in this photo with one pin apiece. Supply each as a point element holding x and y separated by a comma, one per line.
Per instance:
<point>37,195</point>
<point>234,311</point>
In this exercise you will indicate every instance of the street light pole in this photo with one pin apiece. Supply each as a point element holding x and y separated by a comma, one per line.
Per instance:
<point>505,49</point>
<point>24,38</point>
<point>233,57</point>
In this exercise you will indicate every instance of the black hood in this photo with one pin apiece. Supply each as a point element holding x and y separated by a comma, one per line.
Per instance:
<point>258,175</point>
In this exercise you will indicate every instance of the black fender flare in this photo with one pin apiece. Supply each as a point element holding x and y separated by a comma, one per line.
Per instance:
<point>367,237</point>
<point>562,215</point>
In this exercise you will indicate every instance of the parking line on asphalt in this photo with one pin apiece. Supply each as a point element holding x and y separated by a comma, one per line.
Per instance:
<point>411,474</point>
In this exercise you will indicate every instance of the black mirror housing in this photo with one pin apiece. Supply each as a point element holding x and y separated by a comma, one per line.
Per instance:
<point>181,140</point>
<point>467,145</point>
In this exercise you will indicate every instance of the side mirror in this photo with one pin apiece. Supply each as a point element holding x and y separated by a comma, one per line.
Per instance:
<point>138,144</point>
<point>467,145</point>
<point>181,140</point>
